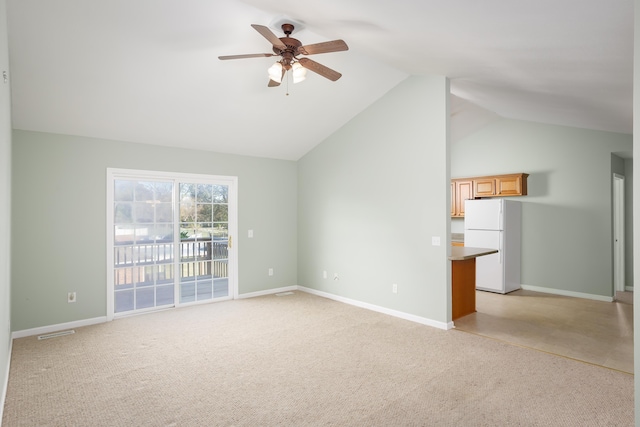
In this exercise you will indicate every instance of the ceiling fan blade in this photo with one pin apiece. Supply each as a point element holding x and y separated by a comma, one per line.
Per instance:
<point>249,55</point>
<point>325,47</point>
<point>267,34</point>
<point>324,71</point>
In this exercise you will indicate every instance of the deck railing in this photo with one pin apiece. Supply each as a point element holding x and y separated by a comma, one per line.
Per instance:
<point>203,257</point>
<point>199,257</point>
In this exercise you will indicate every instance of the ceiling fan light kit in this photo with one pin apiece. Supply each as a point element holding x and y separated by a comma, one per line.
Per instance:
<point>288,49</point>
<point>299,72</point>
<point>276,72</point>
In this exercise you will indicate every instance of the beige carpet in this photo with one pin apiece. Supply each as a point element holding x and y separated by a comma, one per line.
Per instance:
<point>300,360</point>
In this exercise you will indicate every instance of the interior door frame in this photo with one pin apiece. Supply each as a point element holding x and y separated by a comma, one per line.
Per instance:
<point>177,177</point>
<point>618,234</point>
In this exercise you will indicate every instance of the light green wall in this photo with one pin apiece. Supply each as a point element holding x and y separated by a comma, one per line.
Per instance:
<point>5,209</point>
<point>372,195</point>
<point>59,212</point>
<point>566,218</point>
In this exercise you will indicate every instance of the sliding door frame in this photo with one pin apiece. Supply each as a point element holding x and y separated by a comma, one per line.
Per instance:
<point>177,178</point>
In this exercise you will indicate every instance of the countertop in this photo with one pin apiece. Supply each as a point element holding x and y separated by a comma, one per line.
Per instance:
<point>461,253</point>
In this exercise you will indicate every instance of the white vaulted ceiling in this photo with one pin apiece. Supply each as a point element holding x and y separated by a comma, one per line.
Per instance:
<point>147,70</point>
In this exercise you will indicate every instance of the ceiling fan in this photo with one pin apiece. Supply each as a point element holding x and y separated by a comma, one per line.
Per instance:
<point>289,49</point>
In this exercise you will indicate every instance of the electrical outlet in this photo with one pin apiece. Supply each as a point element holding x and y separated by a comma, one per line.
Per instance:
<point>271,272</point>
<point>324,274</point>
<point>71,297</point>
<point>394,288</point>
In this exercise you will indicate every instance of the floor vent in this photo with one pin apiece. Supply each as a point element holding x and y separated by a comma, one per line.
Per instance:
<point>56,334</point>
<point>284,294</point>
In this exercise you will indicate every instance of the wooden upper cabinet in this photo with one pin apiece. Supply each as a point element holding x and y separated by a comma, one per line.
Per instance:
<point>454,204</point>
<point>500,185</point>
<point>485,186</point>
<point>512,185</point>
<point>461,190</point>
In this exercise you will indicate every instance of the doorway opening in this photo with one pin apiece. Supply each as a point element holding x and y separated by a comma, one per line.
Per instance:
<point>618,234</point>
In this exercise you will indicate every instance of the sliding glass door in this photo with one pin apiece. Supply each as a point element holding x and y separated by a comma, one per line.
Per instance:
<point>169,240</point>
<point>143,240</point>
<point>204,241</point>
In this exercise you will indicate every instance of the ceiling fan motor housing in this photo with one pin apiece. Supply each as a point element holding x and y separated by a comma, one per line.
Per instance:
<point>292,45</point>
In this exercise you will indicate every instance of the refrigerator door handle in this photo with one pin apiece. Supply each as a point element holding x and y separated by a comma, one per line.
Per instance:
<point>500,246</point>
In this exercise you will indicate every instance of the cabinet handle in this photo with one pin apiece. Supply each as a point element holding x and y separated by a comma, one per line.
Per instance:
<point>230,244</point>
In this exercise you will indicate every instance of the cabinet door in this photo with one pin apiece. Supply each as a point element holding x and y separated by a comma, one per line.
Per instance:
<point>484,187</point>
<point>453,198</point>
<point>464,191</point>
<point>511,186</point>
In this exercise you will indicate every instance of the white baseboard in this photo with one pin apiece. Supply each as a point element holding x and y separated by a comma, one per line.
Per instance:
<point>268,292</point>
<point>86,322</point>
<point>567,293</point>
<point>628,288</point>
<point>383,310</point>
<point>3,396</point>
<point>58,327</point>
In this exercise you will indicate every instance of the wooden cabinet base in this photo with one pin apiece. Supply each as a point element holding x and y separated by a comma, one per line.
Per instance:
<point>463,288</point>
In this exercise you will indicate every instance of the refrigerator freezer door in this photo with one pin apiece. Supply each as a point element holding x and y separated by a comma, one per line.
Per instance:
<point>489,268</point>
<point>483,214</point>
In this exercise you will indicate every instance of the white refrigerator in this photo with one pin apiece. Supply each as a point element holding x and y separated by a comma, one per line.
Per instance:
<point>495,224</point>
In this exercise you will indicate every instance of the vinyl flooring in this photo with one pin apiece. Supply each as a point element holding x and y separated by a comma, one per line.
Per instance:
<point>595,332</point>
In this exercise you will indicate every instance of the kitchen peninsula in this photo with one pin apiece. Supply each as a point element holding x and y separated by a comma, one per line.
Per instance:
<point>463,279</point>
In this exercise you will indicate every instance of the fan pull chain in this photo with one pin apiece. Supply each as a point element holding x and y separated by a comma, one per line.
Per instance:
<point>288,83</point>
